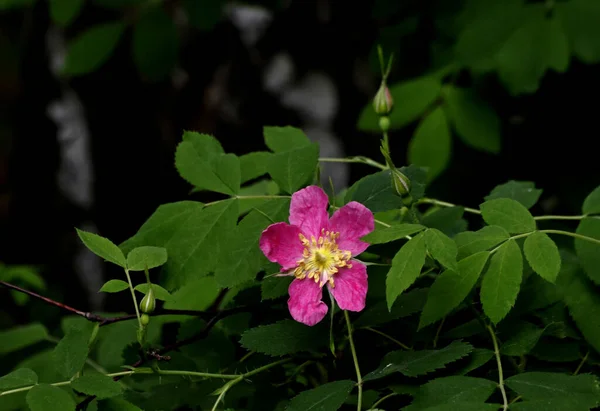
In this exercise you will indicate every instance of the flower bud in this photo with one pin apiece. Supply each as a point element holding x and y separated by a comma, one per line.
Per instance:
<point>383,102</point>
<point>400,182</point>
<point>145,319</point>
<point>384,123</point>
<point>148,303</point>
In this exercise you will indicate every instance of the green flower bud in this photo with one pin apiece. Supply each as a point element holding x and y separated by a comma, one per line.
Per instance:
<point>145,319</point>
<point>148,303</point>
<point>383,102</point>
<point>384,123</point>
<point>400,182</point>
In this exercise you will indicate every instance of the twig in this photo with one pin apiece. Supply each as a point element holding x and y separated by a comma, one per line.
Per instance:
<point>500,371</point>
<point>355,358</point>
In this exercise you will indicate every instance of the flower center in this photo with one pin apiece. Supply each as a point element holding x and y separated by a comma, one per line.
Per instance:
<point>321,258</point>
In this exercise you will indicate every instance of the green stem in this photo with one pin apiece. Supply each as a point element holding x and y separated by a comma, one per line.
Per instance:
<point>382,223</point>
<point>575,235</point>
<point>194,374</point>
<point>500,371</point>
<point>446,204</point>
<point>437,333</point>
<point>374,406</point>
<point>583,361</point>
<point>362,160</point>
<point>560,217</point>
<point>355,358</point>
<point>384,335</point>
<point>386,140</point>
<point>135,304</point>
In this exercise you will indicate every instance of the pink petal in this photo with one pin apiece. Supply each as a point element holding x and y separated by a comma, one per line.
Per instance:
<point>350,287</point>
<point>305,301</point>
<point>280,243</point>
<point>352,221</point>
<point>308,210</point>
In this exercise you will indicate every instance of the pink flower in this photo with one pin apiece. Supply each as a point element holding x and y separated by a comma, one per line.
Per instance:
<point>318,251</point>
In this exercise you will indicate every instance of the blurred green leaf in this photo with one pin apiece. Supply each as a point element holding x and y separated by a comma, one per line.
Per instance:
<point>197,294</point>
<point>275,287</point>
<point>587,251</point>
<point>405,305</point>
<point>116,404</point>
<point>44,397</point>
<point>204,14</point>
<point>327,397</point>
<point>71,352</point>
<point>18,378</point>
<point>284,337</point>
<point>591,204</point>
<point>63,12</point>
<point>524,337</point>
<point>579,20</point>
<point>17,338</point>
<point>98,385</point>
<point>452,391</point>
<point>92,48</point>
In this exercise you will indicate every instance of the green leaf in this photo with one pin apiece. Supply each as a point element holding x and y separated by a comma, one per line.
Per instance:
<point>102,247</point>
<point>452,287</point>
<point>18,378</point>
<point>448,220</point>
<point>524,337</point>
<point>588,252</point>
<point>375,192</point>
<point>583,390</point>
<point>293,168</point>
<point>591,204</point>
<point>542,255</point>
<point>415,363</point>
<point>452,390</point>
<point>475,122</point>
<point>207,146</point>
<point>464,406</point>
<point>406,267</point>
<point>116,404</point>
<point>283,337</point>
<point>197,294</point>
<point>549,404</point>
<point>155,43</point>
<point>383,235</point>
<point>274,287</point>
<point>431,144</point>
<point>97,384</point>
<point>71,352</point>
<point>147,257</point>
<point>478,358</point>
<point>522,191</point>
<point>579,19</point>
<point>253,165</point>
<point>411,99</point>
<point>159,292</point>
<point>204,14</point>
<point>114,286</point>
<point>282,139</point>
<point>64,12</point>
<point>471,242</point>
<point>508,214</point>
<point>17,338</point>
<point>244,245</point>
<point>502,281</point>
<point>44,397</point>
<point>406,304</point>
<point>327,397</point>
<point>92,48</point>
<point>441,247</point>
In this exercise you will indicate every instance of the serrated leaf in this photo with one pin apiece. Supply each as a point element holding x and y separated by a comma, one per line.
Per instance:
<point>282,139</point>
<point>508,214</point>
<point>293,168</point>
<point>20,337</point>
<point>375,192</point>
<point>523,339</point>
<point>475,122</point>
<point>587,251</point>
<point>159,292</point>
<point>283,337</point>
<point>406,267</point>
<point>146,257</point>
<point>549,404</point>
<point>114,286</point>
<point>92,48</point>
<point>471,242</point>
<point>405,305</point>
<point>583,390</point>
<point>383,235</point>
<point>18,378</point>
<point>155,43</point>
<point>522,191</point>
<point>63,12</point>
<point>415,363</point>
<point>448,220</point>
<point>102,247</point>
<point>411,99</point>
<point>478,358</point>
<point>275,287</point>
<point>327,397</point>
<point>116,404</point>
<point>197,294</point>
<point>452,287</point>
<point>71,352</point>
<point>464,406</point>
<point>45,397</point>
<point>502,281</point>
<point>441,247</point>
<point>453,390</point>
<point>591,204</point>
<point>253,165</point>
<point>542,255</point>
<point>431,144</point>
<point>579,20</point>
<point>98,385</point>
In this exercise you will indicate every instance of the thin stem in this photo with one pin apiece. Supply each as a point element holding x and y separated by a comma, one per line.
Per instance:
<point>386,140</point>
<point>574,235</point>
<point>195,374</point>
<point>392,339</point>
<point>446,204</point>
<point>583,361</point>
<point>437,333</point>
<point>500,372</point>
<point>355,358</point>
<point>374,406</point>
<point>357,159</point>
<point>382,223</point>
<point>135,304</point>
<point>517,398</point>
<point>560,217</point>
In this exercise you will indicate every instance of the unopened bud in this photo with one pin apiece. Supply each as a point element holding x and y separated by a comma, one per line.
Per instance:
<point>400,182</point>
<point>148,303</point>
<point>383,102</point>
<point>145,319</point>
<point>384,123</point>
